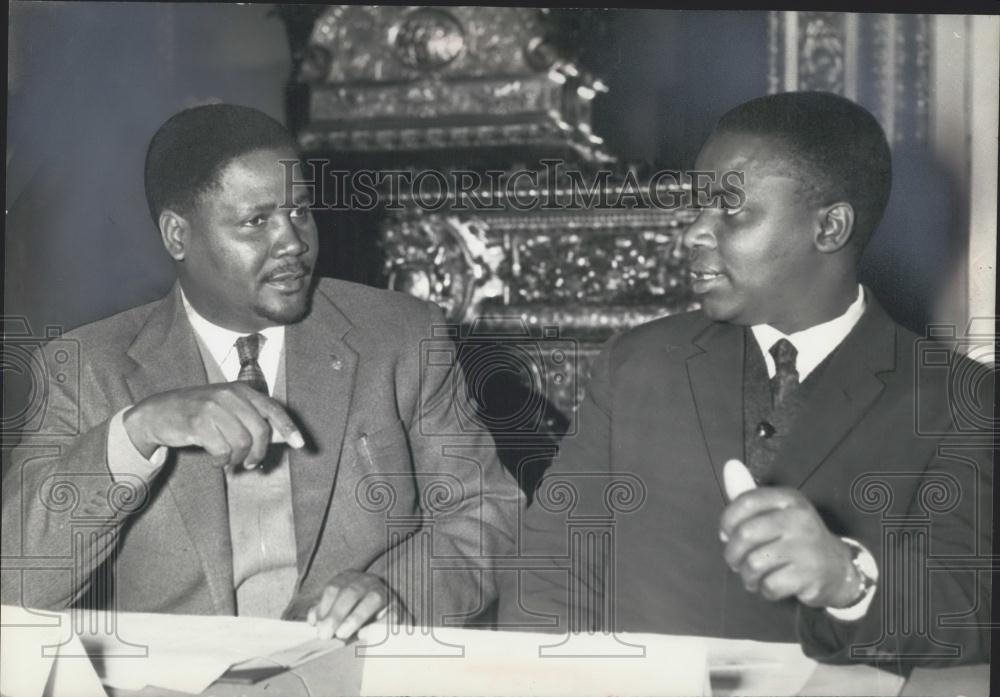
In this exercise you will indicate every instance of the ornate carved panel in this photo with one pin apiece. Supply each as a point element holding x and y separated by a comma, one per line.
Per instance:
<point>592,271</point>
<point>580,274</point>
<point>412,78</point>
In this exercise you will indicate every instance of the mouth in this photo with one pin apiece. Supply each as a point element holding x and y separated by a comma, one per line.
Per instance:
<point>702,280</point>
<point>288,280</point>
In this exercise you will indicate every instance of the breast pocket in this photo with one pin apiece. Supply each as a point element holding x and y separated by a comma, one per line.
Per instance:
<point>386,485</point>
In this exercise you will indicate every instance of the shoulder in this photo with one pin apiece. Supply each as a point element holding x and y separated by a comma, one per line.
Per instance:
<point>951,386</point>
<point>379,309</point>
<point>114,333</point>
<point>677,331</point>
<point>936,377</point>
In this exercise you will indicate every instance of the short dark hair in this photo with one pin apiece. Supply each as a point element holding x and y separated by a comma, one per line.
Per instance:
<point>837,146</point>
<point>189,151</point>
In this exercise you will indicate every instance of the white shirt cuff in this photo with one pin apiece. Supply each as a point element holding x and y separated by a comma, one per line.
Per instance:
<point>855,612</point>
<point>123,458</point>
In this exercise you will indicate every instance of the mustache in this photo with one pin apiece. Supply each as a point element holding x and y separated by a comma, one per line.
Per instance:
<point>293,269</point>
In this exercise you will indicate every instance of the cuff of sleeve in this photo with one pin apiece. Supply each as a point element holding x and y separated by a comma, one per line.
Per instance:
<point>865,563</point>
<point>123,459</point>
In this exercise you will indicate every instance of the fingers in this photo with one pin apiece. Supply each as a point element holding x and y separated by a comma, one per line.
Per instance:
<point>262,418</point>
<point>784,582</point>
<point>755,502</point>
<point>274,413</point>
<point>223,436</point>
<point>319,614</point>
<point>256,426</point>
<point>231,421</point>
<point>761,562</point>
<point>367,609</point>
<point>784,549</point>
<point>752,534</point>
<point>343,609</point>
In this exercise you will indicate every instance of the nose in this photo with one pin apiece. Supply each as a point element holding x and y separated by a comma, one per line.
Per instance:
<point>699,233</point>
<point>291,238</point>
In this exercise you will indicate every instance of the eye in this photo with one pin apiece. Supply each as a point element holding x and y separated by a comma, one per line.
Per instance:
<point>300,212</point>
<point>256,221</point>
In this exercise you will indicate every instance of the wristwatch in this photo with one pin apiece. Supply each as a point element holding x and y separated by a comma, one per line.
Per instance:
<point>867,569</point>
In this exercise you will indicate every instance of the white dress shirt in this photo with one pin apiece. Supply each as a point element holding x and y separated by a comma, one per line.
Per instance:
<point>812,346</point>
<point>221,343</point>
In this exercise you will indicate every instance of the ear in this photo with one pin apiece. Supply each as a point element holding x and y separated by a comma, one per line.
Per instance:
<point>836,227</point>
<point>174,231</point>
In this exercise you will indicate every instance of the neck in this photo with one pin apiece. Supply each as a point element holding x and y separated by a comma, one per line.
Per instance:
<point>240,325</point>
<point>823,304</point>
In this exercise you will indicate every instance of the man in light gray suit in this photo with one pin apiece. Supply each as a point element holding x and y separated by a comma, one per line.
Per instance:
<point>258,442</point>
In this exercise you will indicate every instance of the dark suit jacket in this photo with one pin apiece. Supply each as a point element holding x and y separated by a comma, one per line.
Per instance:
<point>386,464</point>
<point>663,413</point>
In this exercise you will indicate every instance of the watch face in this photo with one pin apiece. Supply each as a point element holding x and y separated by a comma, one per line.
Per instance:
<point>866,567</point>
<point>864,563</point>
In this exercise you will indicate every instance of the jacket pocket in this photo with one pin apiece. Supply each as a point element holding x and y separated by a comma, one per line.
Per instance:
<point>386,485</point>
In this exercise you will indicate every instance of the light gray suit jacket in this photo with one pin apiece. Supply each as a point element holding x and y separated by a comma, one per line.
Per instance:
<point>396,477</point>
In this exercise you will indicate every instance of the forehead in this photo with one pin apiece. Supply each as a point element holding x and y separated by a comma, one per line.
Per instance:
<point>746,152</point>
<point>257,167</point>
<point>250,178</point>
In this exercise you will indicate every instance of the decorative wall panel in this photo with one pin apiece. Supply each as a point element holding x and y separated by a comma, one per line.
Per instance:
<point>404,78</point>
<point>882,61</point>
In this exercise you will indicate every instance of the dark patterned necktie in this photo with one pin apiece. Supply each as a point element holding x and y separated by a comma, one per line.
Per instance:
<point>248,348</point>
<point>786,377</point>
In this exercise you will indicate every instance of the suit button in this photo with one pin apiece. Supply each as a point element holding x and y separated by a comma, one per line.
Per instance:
<point>765,429</point>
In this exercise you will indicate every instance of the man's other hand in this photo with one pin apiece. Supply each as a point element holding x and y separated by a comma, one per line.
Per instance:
<point>780,547</point>
<point>231,421</point>
<point>352,600</point>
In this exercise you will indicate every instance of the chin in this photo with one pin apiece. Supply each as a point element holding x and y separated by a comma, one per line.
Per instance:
<point>288,312</point>
<point>720,311</point>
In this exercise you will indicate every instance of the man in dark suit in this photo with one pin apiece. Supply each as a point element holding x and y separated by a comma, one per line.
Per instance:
<point>869,511</point>
<point>258,442</point>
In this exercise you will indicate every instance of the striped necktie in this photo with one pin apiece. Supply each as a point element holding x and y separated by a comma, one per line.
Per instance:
<point>248,348</point>
<point>786,376</point>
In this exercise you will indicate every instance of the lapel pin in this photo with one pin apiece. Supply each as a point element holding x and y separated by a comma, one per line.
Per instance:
<point>335,362</point>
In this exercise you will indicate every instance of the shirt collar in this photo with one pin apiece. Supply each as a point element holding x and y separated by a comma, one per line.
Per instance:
<point>814,344</point>
<point>221,341</point>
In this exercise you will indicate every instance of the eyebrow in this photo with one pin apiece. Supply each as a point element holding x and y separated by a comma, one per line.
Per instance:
<point>259,208</point>
<point>272,206</point>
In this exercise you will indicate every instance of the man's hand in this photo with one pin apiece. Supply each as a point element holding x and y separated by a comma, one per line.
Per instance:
<point>776,541</point>
<point>231,421</point>
<point>350,601</point>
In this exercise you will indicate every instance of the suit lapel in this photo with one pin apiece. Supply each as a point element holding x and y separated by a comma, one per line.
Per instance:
<point>847,388</point>
<point>320,367</point>
<point>716,376</point>
<point>167,358</point>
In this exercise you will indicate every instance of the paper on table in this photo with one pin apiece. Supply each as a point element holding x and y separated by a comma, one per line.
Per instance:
<point>28,670</point>
<point>748,668</point>
<point>510,663</point>
<point>293,657</point>
<point>189,652</point>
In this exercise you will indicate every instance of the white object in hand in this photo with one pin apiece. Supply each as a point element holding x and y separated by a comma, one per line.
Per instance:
<point>737,479</point>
